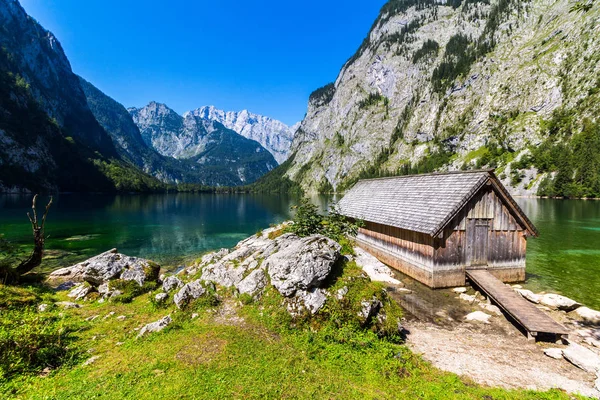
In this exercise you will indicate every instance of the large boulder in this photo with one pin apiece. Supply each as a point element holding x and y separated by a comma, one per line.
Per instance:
<point>582,357</point>
<point>301,264</point>
<point>559,302</point>
<point>189,291</point>
<point>108,266</point>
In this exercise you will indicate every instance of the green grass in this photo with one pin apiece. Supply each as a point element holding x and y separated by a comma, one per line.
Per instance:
<point>218,355</point>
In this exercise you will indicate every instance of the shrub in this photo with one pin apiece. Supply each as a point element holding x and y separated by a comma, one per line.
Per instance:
<point>308,221</point>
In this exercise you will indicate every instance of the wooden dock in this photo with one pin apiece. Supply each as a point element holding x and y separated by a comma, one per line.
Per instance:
<point>533,320</point>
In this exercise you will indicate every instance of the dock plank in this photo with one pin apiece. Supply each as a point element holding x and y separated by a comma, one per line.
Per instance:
<point>522,311</point>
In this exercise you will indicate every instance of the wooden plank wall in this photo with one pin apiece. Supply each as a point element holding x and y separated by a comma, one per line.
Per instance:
<point>422,256</point>
<point>507,243</point>
<point>414,247</point>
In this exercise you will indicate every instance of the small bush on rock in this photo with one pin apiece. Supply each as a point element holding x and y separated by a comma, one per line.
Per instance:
<point>308,221</point>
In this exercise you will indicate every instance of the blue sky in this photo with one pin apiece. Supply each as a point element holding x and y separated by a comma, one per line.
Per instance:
<point>263,55</point>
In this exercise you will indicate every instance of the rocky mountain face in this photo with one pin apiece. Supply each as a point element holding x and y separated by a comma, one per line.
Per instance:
<point>50,140</point>
<point>462,84</point>
<point>273,135</point>
<point>208,144</point>
<point>38,59</point>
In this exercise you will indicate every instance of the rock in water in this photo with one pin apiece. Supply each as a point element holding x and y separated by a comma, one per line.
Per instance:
<point>478,316</point>
<point>588,315</point>
<point>529,295</point>
<point>555,353</point>
<point>559,302</point>
<point>582,357</point>
<point>301,263</point>
<point>155,326</point>
<point>189,291</point>
<point>170,283</point>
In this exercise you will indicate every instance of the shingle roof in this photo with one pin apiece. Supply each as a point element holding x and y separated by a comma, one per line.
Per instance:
<point>422,203</point>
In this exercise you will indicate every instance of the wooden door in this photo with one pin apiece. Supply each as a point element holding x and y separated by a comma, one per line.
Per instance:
<point>477,242</point>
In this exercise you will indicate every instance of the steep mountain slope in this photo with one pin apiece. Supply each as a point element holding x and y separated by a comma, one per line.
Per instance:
<point>118,123</point>
<point>226,157</point>
<point>38,58</point>
<point>50,138</point>
<point>273,135</point>
<point>502,83</point>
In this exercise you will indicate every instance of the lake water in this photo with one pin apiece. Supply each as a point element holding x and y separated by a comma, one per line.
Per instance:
<point>175,228</point>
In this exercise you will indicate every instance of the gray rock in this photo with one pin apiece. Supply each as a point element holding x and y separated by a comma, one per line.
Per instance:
<point>491,308</point>
<point>155,326</point>
<point>478,316</point>
<point>121,318</point>
<point>80,291</point>
<point>559,302</point>
<point>529,295</point>
<point>554,353</point>
<point>90,361</point>
<point>588,315</point>
<point>104,289</point>
<point>582,357</point>
<point>253,283</point>
<point>223,273</point>
<point>312,300</point>
<point>110,265</point>
<point>43,307</point>
<point>301,264</point>
<point>189,292</point>
<point>67,304</point>
<point>170,283</point>
<point>341,293</point>
<point>161,297</point>
<point>468,298</point>
<point>369,309</point>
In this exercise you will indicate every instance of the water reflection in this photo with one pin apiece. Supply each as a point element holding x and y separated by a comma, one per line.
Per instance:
<point>165,227</point>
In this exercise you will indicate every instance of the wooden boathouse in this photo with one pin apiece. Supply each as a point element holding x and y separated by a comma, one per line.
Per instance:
<point>437,227</point>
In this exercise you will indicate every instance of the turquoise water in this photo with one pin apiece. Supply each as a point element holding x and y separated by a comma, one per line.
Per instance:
<point>168,228</point>
<point>565,258</point>
<point>174,228</point>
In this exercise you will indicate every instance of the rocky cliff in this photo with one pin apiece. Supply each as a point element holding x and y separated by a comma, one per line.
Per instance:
<point>50,140</point>
<point>460,84</point>
<point>230,158</point>
<point>273,135</point>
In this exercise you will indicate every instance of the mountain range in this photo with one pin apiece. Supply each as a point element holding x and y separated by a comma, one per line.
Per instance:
<point>60,133</point>
<point>435,86</point>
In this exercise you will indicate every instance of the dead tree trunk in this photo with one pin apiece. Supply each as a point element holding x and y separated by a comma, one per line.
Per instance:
<point>39,239</point>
